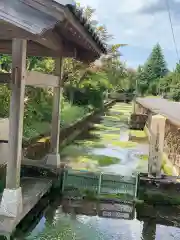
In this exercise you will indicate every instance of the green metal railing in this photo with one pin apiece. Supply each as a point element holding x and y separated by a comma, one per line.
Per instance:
<point>100,184</point>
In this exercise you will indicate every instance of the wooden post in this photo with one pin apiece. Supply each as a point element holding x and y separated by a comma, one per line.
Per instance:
<point>53,157</point>
<point>11,204</point>
<point>157,131</point>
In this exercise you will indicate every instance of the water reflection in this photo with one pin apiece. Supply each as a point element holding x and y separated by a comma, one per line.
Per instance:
<point>77,219</point>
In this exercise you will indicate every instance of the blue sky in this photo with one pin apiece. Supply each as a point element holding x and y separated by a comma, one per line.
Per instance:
<point>140,24</point>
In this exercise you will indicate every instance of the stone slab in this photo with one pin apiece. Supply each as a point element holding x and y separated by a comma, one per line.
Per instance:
<point>169,109</point>
<point>4,153</point>
<point>32,191</point>
<point>4,129</point>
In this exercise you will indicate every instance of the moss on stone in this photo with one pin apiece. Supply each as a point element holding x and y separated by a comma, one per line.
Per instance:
<point>104,127</point>
<point>143,157</point>
<point>105,160</point>
<point>138,133</point>
<point>167,169</point>
<point>122,144</point>
<point>110,137</point>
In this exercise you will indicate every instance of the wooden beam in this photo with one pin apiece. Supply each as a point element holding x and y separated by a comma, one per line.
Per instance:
<point>36,49</point>
<point>34,78</point>
<point>38,79</point>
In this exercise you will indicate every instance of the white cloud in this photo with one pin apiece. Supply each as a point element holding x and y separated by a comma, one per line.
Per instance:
<point>128,6</point>
<point>128,21</point>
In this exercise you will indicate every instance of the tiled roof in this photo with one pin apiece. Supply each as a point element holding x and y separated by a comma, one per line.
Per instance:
<point>78,13</point>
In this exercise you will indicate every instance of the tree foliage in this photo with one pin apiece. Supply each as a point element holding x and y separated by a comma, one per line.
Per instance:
<point>156,66</point>
<point>149,76</point>
<point>84,85</point>
<point>155,78</point>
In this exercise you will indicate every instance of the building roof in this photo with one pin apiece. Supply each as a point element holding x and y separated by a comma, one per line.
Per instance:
<point>52,28</point>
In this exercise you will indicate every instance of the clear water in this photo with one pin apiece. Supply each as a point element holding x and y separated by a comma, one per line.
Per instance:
<point>55,224</point>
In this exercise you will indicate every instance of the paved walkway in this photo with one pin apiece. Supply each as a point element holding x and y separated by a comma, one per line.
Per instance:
<point>169,109</point>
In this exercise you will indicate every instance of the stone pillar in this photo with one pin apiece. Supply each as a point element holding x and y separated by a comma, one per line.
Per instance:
<point>134,106</point>
<point>149,230</point>
<point>156,146</point>
<point>11,203</point>
<point>137,108</point>
<point>53,158</point>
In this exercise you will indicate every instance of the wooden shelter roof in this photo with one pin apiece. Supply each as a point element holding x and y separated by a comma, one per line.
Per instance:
<point>51,27</point>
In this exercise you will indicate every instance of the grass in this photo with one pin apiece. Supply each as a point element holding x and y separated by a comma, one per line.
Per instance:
<point>70,114</point>
<point>35,129</point>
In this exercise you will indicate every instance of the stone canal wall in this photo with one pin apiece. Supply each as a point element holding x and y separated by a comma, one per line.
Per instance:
<point>38,148</point>
<point>172,136</point>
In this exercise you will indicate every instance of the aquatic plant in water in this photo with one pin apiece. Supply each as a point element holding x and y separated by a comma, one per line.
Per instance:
<point>122,144</point>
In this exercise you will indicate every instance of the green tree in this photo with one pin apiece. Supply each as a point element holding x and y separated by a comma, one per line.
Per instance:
<point>177,69</point>
<point>156,66</point>
<point>142,80</point>
<point>151,74</point>
<point>130,81</point>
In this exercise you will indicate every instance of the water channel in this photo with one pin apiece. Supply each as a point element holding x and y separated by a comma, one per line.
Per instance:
<point>106,147</point>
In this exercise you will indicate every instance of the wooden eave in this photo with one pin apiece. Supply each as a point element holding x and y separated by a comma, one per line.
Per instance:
<point>65,36</point>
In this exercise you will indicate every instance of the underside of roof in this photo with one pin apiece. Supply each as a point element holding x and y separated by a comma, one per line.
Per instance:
<point>52,29</point>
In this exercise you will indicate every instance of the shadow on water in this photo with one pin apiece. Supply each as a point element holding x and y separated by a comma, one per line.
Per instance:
<point>65,220</point>
<point>104,147</point>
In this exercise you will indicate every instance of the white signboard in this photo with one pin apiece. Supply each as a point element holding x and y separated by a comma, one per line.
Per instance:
<point>104,209</point>
<point>116,207</point>
<point>119,211</point>
<point>118,215</point>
